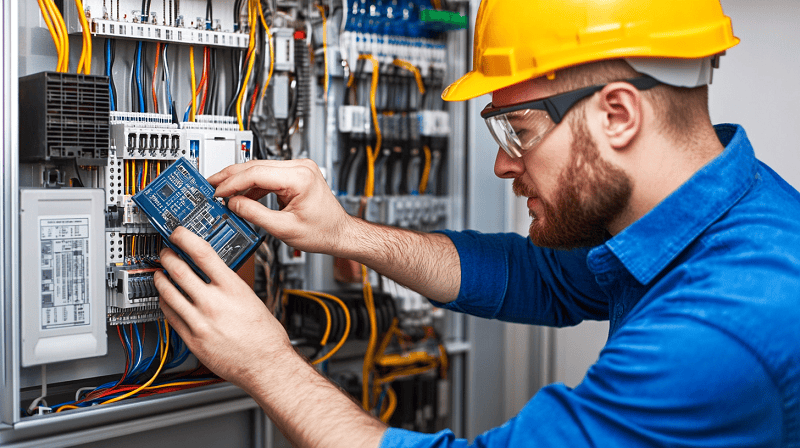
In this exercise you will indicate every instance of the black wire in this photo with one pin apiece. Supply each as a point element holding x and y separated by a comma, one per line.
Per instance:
<point>237,8</point>
<point>238,72</point>
<point>78,172</point>
<point>212,82</point>
<point>209,12</point>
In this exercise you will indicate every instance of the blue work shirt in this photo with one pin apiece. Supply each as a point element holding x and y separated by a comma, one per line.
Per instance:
<point>703,299</point>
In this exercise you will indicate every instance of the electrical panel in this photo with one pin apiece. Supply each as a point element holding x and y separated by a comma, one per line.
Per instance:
<point>186,88</point>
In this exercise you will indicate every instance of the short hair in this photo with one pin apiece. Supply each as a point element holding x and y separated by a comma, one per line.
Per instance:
<point>679,109</point>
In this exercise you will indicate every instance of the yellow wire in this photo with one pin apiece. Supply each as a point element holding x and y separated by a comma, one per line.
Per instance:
<point>251,60</point>
<point>405,372</point>
<point>177,383</point>
<point>306,295</point>
<point>271,49</point>
<point>67,406</point>
<point>346,326</point>
<point>164,349</point>
<point>426,172</point>
<point>61,31</point>
<point>85,62</point>
<point>392,398</point>
<point>193,109</point>
<point>413,69</point>
<point>372,155</point>
<point>373,338</point>
<point>324,48</point>
<point>393,330</point>
<point>53,33</point>
<point>144,176</point>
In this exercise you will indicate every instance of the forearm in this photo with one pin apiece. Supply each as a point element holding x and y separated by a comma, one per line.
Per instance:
<point>428,263</point>
<point>309,410</point>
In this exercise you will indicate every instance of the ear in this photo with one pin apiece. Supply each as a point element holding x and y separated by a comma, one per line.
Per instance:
<point>621,106</point>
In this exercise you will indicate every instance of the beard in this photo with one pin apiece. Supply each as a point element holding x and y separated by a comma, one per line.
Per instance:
<point>592,192</point>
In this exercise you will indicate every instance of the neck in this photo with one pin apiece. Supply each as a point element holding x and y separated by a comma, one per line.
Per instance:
<point>658,165</point>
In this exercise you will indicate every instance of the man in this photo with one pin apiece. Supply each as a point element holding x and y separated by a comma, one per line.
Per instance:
<point>643,214</point>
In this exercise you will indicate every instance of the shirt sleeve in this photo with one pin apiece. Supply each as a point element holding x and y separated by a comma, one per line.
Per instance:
<point>671,382</point>
<point>504,276</point>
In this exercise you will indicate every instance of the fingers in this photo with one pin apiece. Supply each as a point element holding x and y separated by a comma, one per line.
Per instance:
<point>275,222</point>
<point>279,179</point>
<point>174,305</point>
<point>233,170</point>
<point>175,320</point>
<point>203,255</point>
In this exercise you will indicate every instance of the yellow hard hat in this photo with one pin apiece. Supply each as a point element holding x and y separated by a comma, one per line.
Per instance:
<point>516,40</point>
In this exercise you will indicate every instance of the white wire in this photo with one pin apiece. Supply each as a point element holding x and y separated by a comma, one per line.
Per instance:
<point>130,95</point>
<point>344,17</point>
<point>78,393</point>
<point>35,403</point>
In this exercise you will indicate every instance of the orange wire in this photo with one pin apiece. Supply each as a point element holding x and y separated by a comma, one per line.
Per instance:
<point>155,70</point>
<point>204,79</point>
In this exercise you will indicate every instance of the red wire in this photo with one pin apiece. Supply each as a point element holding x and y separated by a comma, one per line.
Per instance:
<point>155,70</point>
<point>252,105</point>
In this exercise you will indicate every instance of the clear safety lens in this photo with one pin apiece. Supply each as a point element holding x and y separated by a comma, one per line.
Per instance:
<point>519,131</point>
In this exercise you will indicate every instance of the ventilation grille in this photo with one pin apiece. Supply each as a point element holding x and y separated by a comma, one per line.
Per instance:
<point>64,116</point>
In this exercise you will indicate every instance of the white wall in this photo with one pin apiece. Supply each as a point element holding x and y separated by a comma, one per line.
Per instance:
<point>758,84</point>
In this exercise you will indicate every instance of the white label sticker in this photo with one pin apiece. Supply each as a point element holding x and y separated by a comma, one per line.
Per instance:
<point>64,272</point>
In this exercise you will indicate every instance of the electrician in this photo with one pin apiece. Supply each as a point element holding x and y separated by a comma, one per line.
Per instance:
<point>644,214</point>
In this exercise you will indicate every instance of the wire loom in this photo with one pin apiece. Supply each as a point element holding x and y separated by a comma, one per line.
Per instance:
<point>138,378</point>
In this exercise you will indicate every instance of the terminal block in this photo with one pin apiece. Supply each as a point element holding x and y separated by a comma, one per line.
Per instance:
<point>410,211</point>
<point>131,287</point>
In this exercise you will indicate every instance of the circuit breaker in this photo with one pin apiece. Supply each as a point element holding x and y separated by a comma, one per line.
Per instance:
<point>62,287</point>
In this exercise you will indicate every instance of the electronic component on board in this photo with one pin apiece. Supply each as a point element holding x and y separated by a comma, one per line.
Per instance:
<point>180,196</point>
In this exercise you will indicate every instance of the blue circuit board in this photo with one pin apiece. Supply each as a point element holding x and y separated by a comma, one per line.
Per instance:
<point>181,196</point>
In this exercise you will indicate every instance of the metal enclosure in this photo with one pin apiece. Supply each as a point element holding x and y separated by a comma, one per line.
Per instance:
<point>221,414</point>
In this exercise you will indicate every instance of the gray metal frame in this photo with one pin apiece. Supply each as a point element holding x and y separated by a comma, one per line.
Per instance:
<point>9,246</point>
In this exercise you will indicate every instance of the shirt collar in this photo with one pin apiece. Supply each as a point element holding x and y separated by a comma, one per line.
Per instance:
<point>648,245</point>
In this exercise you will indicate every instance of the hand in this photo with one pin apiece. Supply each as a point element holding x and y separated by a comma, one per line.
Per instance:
<point>310,219</point>
<point>230,331</point>
<point>225,325</point>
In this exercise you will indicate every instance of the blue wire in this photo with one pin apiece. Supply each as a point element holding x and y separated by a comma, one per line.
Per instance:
<point>380,400</point>
<point>112,102</point>
<point>138,69</point>
<point>141,346</point>
<point>181,351</point>
<point>139,176</point>
<point>149,360</point>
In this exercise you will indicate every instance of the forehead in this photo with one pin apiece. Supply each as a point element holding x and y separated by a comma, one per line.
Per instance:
<point>530,90</point>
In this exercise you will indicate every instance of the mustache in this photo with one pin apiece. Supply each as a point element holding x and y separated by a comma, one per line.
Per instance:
<point>522,190</point>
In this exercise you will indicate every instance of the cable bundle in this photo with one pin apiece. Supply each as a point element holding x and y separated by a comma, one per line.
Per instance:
<point>58,30</point>
<point>137,366</point>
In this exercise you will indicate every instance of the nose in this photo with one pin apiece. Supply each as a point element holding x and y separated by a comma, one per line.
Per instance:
<point>507,168</point>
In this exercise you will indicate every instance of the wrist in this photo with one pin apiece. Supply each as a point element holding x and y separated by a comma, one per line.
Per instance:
<point>350,241</point>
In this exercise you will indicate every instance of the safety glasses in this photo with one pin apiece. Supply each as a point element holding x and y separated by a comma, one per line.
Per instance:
<point>518,128</point>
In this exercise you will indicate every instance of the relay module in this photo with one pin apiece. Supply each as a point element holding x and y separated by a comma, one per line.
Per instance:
<point>181,196</point>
